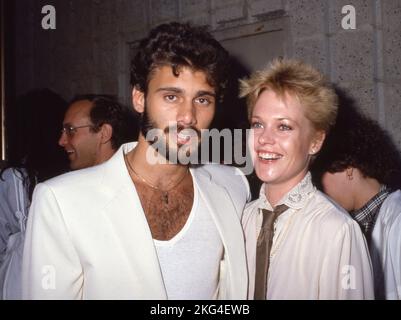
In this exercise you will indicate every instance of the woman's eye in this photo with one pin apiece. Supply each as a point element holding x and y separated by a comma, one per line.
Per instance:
<point>284,127</point>
<point>256,125</point>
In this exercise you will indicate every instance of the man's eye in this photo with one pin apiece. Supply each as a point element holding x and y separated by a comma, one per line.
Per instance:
<point>71,130</point>
<point>256,125</point>
<point>284,127</point>
<point>203,101</point>
<point>170,97</point>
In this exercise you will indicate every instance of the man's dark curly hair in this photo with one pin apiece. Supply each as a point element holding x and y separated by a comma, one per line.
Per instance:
<point>359,142</point>
<point>106,109</point>
<point>180,45</point>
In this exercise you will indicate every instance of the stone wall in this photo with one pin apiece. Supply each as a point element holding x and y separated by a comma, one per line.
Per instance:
<point>90,48</point>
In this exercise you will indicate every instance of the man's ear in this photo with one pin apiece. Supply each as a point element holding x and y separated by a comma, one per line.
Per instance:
<point>317,142</point>
<point>350,173</point>
<point>138,100</point>
<point>106,133</point>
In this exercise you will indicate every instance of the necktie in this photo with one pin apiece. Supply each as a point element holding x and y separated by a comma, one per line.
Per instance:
<point>263,248</point>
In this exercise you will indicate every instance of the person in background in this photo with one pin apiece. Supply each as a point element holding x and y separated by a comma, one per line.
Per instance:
<point>299,244</point>
<point>359,168</point>
<point>35,158</point>
<point>94,127</point>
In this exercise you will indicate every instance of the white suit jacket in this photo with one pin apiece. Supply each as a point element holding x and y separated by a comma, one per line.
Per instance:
<point>87,235</point>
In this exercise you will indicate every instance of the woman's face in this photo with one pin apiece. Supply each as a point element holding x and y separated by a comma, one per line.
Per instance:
<point>282,140</point>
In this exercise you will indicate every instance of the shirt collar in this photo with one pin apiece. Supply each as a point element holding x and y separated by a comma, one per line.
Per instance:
<point>366,216</point>
<point>296,198</point>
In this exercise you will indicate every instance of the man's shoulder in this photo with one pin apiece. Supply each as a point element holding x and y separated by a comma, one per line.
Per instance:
<point>77,191</point>
<point>393,201</point>
<point>388,225</point>
<point>390,211</point>
<point>226,176</point>
<point>222,174</point>
<point>220,171</point>
<point>82,177</point>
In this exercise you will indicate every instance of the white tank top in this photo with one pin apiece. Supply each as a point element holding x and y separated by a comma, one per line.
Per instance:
<point>190,261</point>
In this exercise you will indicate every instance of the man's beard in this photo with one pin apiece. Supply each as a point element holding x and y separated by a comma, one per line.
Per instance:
<point>169,148</point>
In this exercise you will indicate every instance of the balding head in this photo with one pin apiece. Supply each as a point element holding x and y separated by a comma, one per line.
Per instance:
<point>86,144</point>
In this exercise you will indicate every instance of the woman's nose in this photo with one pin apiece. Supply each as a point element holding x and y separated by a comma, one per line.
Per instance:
<point>266,137</point>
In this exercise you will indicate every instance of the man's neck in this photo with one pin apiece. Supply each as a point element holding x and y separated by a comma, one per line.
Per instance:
<point>150,165</point>
<point>367,189</point>
<point>105,153</point>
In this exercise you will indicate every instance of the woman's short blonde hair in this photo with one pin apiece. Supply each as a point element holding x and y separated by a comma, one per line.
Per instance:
<point>293,77</point>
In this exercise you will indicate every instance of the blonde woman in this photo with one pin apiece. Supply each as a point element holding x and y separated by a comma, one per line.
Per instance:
<point>300,245</point>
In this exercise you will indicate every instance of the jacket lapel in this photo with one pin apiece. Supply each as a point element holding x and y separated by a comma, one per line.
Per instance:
<point>128,220</point>
<point>224,215</point>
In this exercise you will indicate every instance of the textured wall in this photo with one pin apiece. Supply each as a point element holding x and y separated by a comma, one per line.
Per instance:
<point>89,50</point>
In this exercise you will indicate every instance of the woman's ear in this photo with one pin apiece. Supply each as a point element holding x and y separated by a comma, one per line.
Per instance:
<point>138,100</point>
<point>317,142</point>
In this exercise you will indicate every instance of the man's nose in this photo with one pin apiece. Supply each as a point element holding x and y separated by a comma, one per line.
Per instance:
<point>63,139</point>
<point>187,114</point>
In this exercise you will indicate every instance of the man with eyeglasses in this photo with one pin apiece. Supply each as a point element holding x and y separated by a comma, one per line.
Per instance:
<point>94,127</point>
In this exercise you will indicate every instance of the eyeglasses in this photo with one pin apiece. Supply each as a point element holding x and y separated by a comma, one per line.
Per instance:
<point>70,130</point>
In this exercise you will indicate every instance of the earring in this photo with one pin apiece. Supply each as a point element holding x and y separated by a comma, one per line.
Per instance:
<point>349,175</point>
